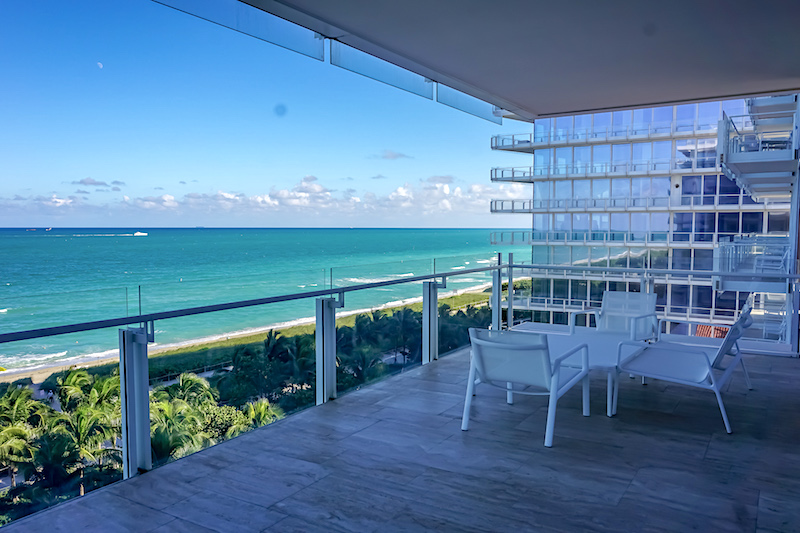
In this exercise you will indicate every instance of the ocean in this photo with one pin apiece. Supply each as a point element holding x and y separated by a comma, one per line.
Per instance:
<point>58,276</point>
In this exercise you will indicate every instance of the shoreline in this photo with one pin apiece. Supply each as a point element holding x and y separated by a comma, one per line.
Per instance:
<point>38,374</point>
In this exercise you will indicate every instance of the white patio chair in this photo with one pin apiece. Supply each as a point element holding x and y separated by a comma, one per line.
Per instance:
<point>688,365</point>
<point>504,358</point>
<point>629,313</point>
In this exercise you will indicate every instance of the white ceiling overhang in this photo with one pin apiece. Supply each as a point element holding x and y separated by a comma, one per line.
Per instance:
<point>549,58</point>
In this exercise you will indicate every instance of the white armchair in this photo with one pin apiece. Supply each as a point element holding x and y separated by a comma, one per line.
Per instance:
<point>687,365</point>
<point>504,358</point>
<point>630,313</point>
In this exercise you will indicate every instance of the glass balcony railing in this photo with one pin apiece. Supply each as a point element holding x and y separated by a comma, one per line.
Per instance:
<point>579,237</point>
<point>603,134</point>
<point>578,170</point>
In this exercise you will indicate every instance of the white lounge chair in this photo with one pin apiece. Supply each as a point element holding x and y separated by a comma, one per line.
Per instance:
<point>504,358</point>
<point>630,313</point>
<point>687,365</point>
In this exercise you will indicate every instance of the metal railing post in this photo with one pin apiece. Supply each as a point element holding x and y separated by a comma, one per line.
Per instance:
<point>135,399</point>
<point>497,294</point>
<point>325,334</point>
<point>430,321</point>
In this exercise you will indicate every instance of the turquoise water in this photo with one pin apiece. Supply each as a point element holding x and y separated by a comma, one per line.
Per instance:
<point>66,276</point>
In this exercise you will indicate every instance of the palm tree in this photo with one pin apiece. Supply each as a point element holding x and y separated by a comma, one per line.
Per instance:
<point>18,406</point>
<point>175,429</point>
<point>405,325</point>
<point>55,460</point>
<point>15,447</point>
<point>190,388</point>
<point>86,427</point>
<point>261,412</point>
<point>302,359</point>
<point>73,388</point>
<point>274,345</point>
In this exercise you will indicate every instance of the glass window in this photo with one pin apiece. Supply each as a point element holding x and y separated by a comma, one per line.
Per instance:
<point>729,223</point>
<point>596,290</point>
<point>685,116</point>
<point>662,153</point>
<point>582,127</point>
<point>540,255</point>
<point>728,191</point>
<point>542,158</point>
<point>661,295</point>
<point>709,189</point>
<point>659,221</point>
<point>708,115</point>
<point>638,257</point>
<point>580,221</point>
<point>599,256</point>
<point>582,189</point>
<point>560,288</point>
<point>582,157</point>
<point>621,121</point>
<point>752,222</point>
<point>599,221</point>
<point>641,121</point>
<point>602,124</point>
<point>706,153</point>
<point>620,188</point>
<point>684,153</point>
<point>580,290</point>
<point>580,255</point>
<point>702,300</point>
<point>662,120</point>
<point>541,129</point>
<point>601,188</point>
<point>778,222</point>
<point>563,189</point>
<point>541,222</point>
<point>681,226</point>
<point>641,152</point>
<point>563,160</point>
<point>690,188</point>
<point>618,257</point>
<point>601,158</point>
<point>703,259</point>
<point>682,259</point>
<point>561,255</point>
<point>562,222</point>
<point>621,154</point>
<point>660,187</point>
<point>563,128</point>
<point>619,222</point>
<point>705,225</point>
<point>659,259</point>
<point>680,298</point>
<point>541,190</point>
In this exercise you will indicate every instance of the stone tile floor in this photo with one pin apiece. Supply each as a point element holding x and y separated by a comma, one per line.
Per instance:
<point>392,457</point>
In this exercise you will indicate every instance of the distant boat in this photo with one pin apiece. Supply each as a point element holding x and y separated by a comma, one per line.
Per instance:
<point>48,229</point>
<point>140,234</point>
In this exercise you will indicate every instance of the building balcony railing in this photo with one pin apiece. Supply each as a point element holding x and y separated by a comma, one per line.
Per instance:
<point>572,237</point>
<point>656,203</point>
<point>583,170</point>
<point>775,320</point>
<point>635,132</point>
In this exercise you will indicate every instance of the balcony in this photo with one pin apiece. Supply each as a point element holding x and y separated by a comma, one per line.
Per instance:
<point>593,170</point>
<point>765,256</point>
<point>597,238</point>
<point>392,457</point>
<point>527,143</point>
<point>717,202</point>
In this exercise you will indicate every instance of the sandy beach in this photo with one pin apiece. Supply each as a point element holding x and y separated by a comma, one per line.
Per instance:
<point>39,374</point>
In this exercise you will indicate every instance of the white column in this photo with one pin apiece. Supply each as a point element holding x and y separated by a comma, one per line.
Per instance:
<point>135,396</point>
<point>497,295</point>
<point>510,312</point>
<point>325,335</point>
<point>430,322</point>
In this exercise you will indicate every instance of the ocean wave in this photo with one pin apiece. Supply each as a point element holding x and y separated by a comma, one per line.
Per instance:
<point>457,268</point>
<point>103,235</point>
<point>6,310</point>
<point>483,261</point>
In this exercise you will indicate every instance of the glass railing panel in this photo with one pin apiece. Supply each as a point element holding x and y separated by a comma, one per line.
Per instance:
<point>251,21</point>
<point>375,68</point>
<point>459,312</point>
<point>466,103</point>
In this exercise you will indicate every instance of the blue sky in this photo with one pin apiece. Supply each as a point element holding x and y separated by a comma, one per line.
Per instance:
<point>133,114</point>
